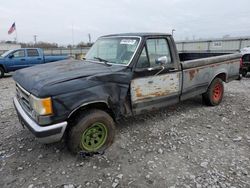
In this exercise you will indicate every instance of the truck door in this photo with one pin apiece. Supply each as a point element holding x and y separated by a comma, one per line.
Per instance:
<point>33,57</point>
<point>157,79</point>
<point>17,60</point>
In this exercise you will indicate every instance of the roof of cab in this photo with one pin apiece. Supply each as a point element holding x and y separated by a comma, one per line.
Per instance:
<point>137,34</point>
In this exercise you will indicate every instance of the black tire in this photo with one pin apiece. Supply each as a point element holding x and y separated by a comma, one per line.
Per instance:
<point>239,77</point>
<point>76,132</point>
<point>1,72</point>
<point>214,93</point>
<point>244,73</point>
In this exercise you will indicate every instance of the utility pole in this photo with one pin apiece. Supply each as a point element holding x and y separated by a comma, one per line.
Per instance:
<point>35,39</point>
<point>89,38</point>
<point>73,41</point>
<point>173,30</point>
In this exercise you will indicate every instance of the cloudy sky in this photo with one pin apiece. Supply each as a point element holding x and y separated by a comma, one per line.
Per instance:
<point>52,20</point>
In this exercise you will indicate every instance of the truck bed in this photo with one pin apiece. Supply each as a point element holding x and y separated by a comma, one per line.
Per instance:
<point>186,56</point>
<point>198,73</point>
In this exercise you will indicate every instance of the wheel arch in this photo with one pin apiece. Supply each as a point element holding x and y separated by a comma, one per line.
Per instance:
<point>1,65</point>
<point>222,76</point>
<point>100,105</point>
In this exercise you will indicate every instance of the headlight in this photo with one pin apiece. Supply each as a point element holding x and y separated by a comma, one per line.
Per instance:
<point>41,106</point>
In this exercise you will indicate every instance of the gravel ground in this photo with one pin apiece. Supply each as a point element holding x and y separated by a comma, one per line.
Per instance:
<point>186,145</point>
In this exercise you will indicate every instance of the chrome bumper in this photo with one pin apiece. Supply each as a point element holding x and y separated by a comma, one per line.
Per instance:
<point>45,134</point>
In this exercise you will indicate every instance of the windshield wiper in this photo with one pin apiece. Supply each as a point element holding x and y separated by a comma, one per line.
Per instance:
<point>103,60</point>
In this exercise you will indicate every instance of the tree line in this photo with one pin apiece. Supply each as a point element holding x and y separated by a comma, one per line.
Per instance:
<point>42,44</point>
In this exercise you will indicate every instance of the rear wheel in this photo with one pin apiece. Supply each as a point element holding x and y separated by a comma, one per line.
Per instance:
<point>1,72</point>
<point>93,132</point>
<point>214,93</point>
<point>244,73</point>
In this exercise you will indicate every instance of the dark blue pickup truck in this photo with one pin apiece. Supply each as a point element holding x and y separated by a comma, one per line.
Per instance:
<point>122,75</point>
<point>25,57</point>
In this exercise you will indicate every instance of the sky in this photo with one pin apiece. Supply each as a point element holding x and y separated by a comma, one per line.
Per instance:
<point>54,20</point>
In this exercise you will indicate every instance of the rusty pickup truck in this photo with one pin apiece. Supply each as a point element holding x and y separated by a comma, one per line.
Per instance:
<point>122,75</point>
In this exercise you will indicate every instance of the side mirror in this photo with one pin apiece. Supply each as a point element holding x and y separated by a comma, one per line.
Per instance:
<point>11,56</point>
<point>161,60</point>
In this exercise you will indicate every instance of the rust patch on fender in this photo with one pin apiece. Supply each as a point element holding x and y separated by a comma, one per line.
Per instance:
<point>191,74</point>
<point>138,92</point>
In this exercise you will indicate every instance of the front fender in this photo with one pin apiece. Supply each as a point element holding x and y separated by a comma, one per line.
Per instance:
<point>112,94</point>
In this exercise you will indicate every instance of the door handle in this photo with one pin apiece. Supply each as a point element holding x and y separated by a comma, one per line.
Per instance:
<point>39,58</point>
<point>150,82</point>
<point>172,70</point>
<point>22,59</point>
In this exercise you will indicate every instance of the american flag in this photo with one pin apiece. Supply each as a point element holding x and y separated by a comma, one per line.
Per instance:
<point>12,28</point>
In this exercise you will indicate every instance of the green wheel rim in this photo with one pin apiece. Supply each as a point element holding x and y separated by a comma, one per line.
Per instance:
<point>94,137</point>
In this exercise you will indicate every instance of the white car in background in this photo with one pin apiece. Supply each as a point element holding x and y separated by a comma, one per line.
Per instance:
<point>245,50</point>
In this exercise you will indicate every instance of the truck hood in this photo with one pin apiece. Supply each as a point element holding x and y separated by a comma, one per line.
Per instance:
<point>39,78</point>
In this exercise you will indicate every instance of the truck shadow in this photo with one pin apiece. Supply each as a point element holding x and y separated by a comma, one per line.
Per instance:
<point>247,76</point>
<point>6,76</point>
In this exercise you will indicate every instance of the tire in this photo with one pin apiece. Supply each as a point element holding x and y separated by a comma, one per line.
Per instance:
<point>1,72</point>
<point>93,132</point>
<point>239,78</point>
<point>214,93</point>
<point>244,73</point>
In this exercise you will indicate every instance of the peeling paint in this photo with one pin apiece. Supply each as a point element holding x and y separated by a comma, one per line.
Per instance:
<point>154,86</point>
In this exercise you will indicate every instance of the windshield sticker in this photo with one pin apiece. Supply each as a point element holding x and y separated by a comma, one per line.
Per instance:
<point>128,41</point>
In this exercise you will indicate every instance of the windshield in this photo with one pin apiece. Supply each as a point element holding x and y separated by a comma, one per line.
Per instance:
<point>6,53</point>
<point>114,50</point>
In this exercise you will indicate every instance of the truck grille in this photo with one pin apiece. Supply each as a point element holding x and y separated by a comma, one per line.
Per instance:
<point>23,98</point>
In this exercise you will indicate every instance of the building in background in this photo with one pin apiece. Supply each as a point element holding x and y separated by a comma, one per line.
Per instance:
<point>220,45</point>
<point>8,46</point>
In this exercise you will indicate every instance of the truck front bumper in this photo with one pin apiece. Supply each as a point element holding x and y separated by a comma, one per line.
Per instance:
<point>45,134</point>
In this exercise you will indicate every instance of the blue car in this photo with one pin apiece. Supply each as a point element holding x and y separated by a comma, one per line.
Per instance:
<point>24,57</point>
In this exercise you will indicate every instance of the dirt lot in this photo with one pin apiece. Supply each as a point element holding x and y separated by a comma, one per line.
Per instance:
<point>187,145</point>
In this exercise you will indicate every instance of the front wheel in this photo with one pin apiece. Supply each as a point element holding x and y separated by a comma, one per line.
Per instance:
<point>1,72</point>
<point>214,93</point>
<point>93,132</point>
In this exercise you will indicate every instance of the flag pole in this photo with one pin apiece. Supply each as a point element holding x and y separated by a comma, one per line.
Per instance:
<point>16,32</point>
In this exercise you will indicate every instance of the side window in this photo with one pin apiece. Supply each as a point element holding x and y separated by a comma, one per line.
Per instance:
<point>18,54</point>
<point>143,60</point>
<point>32,53</point>
<point>158,48</point>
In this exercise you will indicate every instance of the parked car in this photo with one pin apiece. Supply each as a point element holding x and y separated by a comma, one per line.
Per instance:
<point>123,75</point>
<point>245,67</point>
<point>24,57</point>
